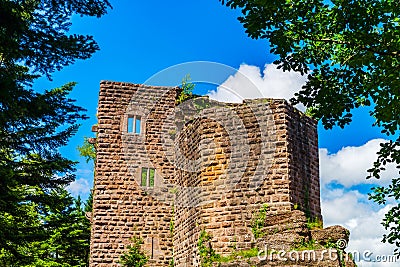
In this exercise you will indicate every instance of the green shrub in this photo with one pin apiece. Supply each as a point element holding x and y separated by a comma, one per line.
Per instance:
<point>187,90</point>
<point>258,221</point>
<point>315,223</point>
<point>134,257</point>
<point>206,252</point>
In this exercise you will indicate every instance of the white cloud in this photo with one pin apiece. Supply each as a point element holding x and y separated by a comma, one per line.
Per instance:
<point>249,82</point>
<point>349,165</point>
<point>79,187</point>
<point>351,208</point>
<point>351,211</point>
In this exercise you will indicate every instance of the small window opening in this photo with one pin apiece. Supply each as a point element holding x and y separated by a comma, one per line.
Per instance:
<point>148,177</point>
<point>134,123</point>
<point>152,247</point>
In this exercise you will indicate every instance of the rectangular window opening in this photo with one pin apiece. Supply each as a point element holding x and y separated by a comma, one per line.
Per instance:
<point>130,125</point>
<point>137,125</point>
<point>151,177</point>
<point>134,124</point>
<point>148,177</point>
<point>144,177</point>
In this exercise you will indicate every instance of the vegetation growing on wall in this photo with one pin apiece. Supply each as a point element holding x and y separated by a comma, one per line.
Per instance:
<point>134,256</point>
<point>187,90</point>
<point>258,221</point>
<point>206,252</point>
<point>208,256</point>
<point>314,223</point>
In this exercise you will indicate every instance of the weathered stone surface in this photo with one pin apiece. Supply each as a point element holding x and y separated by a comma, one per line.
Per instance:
<point>121,208</point>
<point>216,164</point>
<point>315,258</point>
<point>283,231</point>
<point>331,234</point>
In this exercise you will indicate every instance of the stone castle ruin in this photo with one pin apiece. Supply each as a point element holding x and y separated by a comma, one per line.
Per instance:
<point>165,171</point>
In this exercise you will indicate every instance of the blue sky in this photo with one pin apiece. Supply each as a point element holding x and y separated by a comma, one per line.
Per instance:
<point>141,38</point>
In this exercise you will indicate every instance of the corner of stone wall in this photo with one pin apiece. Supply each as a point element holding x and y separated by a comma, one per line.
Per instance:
<point>304,162</point>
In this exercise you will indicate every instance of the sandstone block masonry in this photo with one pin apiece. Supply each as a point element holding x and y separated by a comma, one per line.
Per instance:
<point>165,171</point>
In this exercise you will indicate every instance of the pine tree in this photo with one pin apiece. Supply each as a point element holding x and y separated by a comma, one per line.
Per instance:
<point>68,235</point>
<point>34,42</point>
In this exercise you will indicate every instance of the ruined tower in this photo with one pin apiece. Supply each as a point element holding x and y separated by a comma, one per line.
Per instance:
<point>166,171</point>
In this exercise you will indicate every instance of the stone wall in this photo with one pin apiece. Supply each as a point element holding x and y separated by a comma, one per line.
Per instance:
<point>216,165</point>
<point>121,208</point>
<point>304,162</point>
<point>245,155</point>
